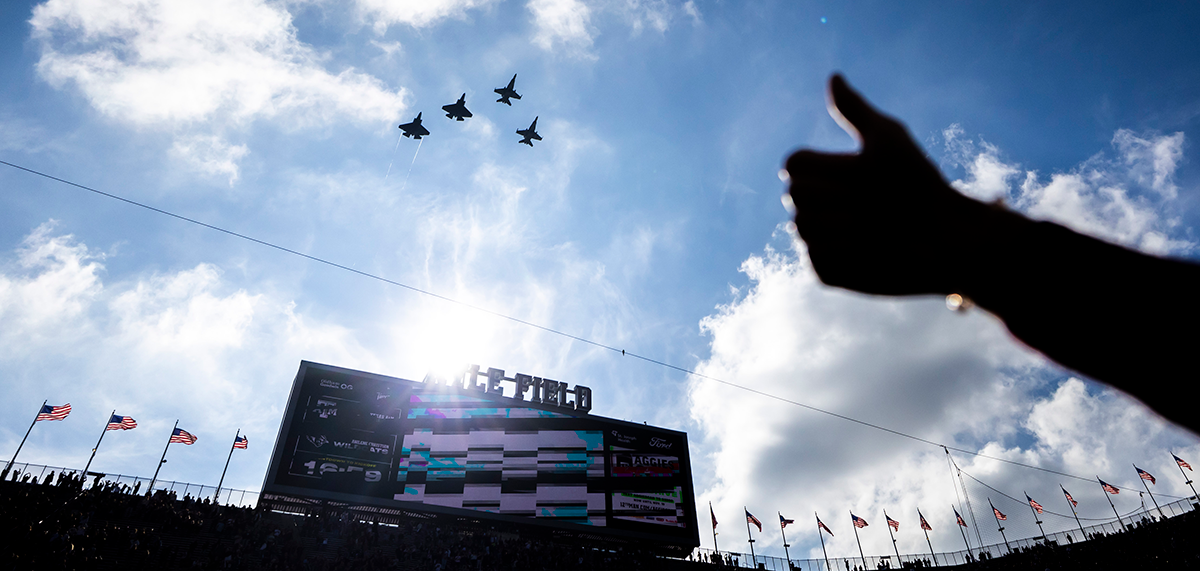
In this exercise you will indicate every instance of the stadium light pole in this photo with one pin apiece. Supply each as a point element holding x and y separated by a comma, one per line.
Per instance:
<point>22,445</point>
<point>217,495</point>
<point>104,431</point>
<point>162,460</point>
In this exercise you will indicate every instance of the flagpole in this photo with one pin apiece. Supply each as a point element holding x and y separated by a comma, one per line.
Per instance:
<point>856,540</point>
<point>930,543</point>
<point>822,536</point>
<point>887,520</point>
<point>1156,506</point>
<point>785,543</point>
<point>1186,479</point>
<point>1035,517</point>
<point>960,530</point>
<point>98,441</point>
<point>217,496</point>
<point>753,560</point>
<point>713,516</point>
<point>1083,534</point>
<point>162,460</point>
<point>22,445</point>
<point>1110,504</point>
<point>996,515</point>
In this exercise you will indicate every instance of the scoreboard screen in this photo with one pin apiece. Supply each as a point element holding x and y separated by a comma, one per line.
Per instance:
<point>451,448</point>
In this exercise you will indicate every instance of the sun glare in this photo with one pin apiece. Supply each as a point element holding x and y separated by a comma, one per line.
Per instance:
<point>448,340</point>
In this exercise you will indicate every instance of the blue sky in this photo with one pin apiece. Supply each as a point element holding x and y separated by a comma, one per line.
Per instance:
<point>648,219</point>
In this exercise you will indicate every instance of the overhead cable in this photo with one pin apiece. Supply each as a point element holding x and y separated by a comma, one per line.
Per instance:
<point>551,330</point>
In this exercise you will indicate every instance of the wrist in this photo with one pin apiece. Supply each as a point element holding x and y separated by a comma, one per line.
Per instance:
<point>989,242</point>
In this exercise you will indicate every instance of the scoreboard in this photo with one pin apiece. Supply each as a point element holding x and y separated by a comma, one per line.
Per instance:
<point>457,447</point>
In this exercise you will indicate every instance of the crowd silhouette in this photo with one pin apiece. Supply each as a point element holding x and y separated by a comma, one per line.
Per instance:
<point>65,522</point>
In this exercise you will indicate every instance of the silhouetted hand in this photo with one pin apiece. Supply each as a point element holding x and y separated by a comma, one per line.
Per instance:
<point>883,220</point>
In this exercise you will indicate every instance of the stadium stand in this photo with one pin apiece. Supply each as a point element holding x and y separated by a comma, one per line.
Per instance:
<point>67,523</point>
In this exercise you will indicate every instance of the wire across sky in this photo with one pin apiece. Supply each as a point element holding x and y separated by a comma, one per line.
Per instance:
<point>622,352</point>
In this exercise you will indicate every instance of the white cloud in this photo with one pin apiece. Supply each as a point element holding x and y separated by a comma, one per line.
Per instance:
<point>198,70</point>
<point>562,24</point>
<point>415,13</point>
<point>180,344</point>
<point>65,282</point>
<point>988,177</point>
<point>571,26</point>
<point>1100,197</point>
<point>913,366</point>
<point>211,154</point>
<point>1152,160</point>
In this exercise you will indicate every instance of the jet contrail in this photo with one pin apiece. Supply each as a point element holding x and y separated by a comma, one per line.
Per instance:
<point>389,171</point>
<point>410,166</point>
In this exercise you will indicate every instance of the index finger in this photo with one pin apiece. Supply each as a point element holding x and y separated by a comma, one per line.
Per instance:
<point>814,165</point>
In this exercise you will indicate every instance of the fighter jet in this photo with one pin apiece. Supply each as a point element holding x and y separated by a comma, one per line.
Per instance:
<point>506,92</point>
<point>457,110</point>
<point>414,129</point>
<point>530,133</point>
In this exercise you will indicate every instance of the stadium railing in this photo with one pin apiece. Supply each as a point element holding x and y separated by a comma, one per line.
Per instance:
<point>229,496</point>
<point>945,559</point>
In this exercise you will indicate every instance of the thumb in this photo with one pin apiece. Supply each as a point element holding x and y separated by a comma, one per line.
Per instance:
<point>852,112</point>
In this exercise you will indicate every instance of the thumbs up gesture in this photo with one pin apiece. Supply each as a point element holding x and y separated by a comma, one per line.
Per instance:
<point>882,220</point>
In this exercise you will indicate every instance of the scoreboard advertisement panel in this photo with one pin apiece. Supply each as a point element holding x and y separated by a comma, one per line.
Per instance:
<point>460,447</point>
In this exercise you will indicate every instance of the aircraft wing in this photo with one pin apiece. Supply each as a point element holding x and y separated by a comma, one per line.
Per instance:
<point>456,110</point>
<point>414,128</point>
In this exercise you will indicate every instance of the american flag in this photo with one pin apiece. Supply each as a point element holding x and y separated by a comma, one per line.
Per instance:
<point>712,514</point>
<point>118,422</point>
<point>858,521</point>
<point>1108,487</point>
<point>1180,461</point>
<point>241,442</point>
<point>998,514</point>
<point>751,519</point>
<point>181,435</point>
<point>1036,506</point>
<point>924,524</point>
<point>1069,498</point>
<point>53,412</point>
<point>891,522</point>
<point>1144,474</point>
<point>821,525</point>
<point>784,521</point>
<point>960,519</point>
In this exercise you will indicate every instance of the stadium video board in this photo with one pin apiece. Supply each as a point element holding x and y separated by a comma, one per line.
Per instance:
<point>461,447</point>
